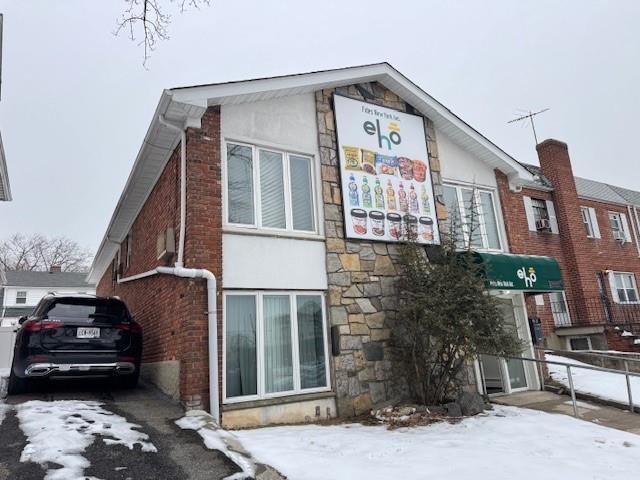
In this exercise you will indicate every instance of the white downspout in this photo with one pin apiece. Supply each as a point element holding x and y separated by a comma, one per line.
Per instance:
<point>180,271</point>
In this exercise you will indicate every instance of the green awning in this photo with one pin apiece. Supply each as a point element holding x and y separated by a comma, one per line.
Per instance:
<point>529,273</point>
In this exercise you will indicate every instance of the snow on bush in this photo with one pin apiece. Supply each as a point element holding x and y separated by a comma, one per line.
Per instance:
<point>58,432</point>
<point>504,444</point>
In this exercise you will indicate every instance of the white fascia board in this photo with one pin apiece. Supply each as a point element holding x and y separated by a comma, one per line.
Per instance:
<point>4,174</point>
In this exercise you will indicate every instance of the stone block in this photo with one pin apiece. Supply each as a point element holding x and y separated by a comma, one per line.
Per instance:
<point>330,229</point>
<point>341,279</point>
<point>329,121</point>
<point>380,248</point>
<point>365,305</point>
<point>367,253</point>
<point>360,277</point>
<point>373,351</point>
<point>335,295</point>
<point>377,392</point>
<point>367,265</point>
<point>350,262</point>
<point>372,289</point>
<point>352,292</point>
<point>380,334</point>
<point>375,320</point>
<point>332,212</point>
<point>354,386</point>
<point>335,245</point>
<point>339,316</point>
<point>333,262</point>
<point>344,329</point>
<point>345,362</point>
<point>356,318</point>
<point>359,329</point>
<point>354,308</point>
<point>384,266</point>
<point>358,358</point>
<point>366,374</point>
<point>388,285</point>
<point>353,247</point>
<point>389,303</point>
<point>350,342</point>
<point>362,404</point>
<point>471,403</point>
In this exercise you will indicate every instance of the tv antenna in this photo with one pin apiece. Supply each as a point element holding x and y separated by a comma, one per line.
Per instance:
<point>529,116</point>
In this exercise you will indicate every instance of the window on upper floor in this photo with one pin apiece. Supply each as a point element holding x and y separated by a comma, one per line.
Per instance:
<point>129,250</point>
<point>270,189</point>
<point>21,297</point>
<point>590,221</point>
<point>541,215</point>
<point>472,214</point>
<point>624,287</point>
<point>619,226</point>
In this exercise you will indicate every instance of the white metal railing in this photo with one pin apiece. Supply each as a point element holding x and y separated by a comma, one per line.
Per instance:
<point>569,366</point>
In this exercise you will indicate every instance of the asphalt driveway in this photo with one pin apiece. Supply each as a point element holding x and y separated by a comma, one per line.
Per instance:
<point>180,453</point>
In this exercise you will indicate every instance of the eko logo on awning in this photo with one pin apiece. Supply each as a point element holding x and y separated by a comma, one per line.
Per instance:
<point>529,276</point>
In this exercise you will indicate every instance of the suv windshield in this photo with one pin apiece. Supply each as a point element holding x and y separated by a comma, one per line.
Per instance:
<point>87,308</point>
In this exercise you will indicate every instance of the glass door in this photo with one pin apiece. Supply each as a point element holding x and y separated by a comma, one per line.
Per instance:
<point>514,369</point>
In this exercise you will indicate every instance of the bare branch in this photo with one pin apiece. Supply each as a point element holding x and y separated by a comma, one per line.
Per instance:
<point>36,252</point>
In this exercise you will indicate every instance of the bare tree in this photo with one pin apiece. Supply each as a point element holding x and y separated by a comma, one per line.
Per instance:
<point>40,253</point>
<point>150,20</point>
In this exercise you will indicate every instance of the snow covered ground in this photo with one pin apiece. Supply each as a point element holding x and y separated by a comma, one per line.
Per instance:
<point>503,444</point>
<point>609,386</point>
<point>59,432</point>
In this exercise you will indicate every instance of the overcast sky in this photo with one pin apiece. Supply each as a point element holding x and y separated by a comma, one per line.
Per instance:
<point>76,100</point>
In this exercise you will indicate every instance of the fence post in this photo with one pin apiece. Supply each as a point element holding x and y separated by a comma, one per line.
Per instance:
<point>626,376</point>
<point>573,392</point>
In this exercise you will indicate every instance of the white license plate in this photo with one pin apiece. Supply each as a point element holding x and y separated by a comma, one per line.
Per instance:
<point>84,332</point>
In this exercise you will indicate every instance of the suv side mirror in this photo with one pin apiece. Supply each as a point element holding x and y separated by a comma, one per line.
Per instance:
<point>22,319</point>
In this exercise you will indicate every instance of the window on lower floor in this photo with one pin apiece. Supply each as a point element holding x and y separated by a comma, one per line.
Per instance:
<point>275,344</point>
<point>579,343</point>
<point>559,309</point>
<point>21,297</point>
<point>625,289</point>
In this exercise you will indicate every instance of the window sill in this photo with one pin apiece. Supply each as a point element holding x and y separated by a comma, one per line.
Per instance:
<point>272,233</point>
<point>266,402</point>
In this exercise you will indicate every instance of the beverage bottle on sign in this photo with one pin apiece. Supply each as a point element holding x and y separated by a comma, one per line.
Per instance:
<point>391,197</point>
<point>413,200</point>
<point>425,200</point>
<point>379,194</point>
<point>402,199</point>
<point>353,191</point>
<point>366,193</point>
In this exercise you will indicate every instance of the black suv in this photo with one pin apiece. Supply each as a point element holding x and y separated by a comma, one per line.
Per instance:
<point>77,336</point>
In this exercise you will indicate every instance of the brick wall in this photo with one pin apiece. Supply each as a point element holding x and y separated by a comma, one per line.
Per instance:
<point>580,257</point>
<point>172,310</point>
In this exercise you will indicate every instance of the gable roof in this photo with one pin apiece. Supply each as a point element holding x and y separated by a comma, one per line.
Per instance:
<point>18,278</point>
<point>186,105</point>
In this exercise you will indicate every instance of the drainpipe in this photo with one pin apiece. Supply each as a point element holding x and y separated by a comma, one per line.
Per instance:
<point>212,322</point>
<point>634,225</point>
<point>183,185</point>
<point>180,271</point>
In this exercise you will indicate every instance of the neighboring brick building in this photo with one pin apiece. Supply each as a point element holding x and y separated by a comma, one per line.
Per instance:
<point>304,298</point>
<point>592,230</point>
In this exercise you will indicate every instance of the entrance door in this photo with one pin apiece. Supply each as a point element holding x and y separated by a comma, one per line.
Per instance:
<point>509,376</point>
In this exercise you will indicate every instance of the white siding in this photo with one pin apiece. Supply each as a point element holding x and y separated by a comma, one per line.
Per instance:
<point>459,165</point>
<point>259,261</point>
<point>35,294</point>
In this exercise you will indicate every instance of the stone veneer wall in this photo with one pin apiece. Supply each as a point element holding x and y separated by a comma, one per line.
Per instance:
<point>362,274</point>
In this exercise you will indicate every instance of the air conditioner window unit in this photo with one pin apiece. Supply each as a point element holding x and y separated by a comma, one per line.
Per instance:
<point>619,235</point>
<point>543,224</point>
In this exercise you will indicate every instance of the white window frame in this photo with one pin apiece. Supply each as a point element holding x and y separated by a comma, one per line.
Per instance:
<point>578,337</point>
<point>129,250</point>
<point>622,224</point>
<point>257,202</point>
<point>260,376</point>
<point>586,220</point>
<point>555,315</point>
<point>25,296</point>
<point>614,288</point>
<point>483,231</point>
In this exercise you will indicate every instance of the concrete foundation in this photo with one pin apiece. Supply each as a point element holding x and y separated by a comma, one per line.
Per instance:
<point>164,375</point>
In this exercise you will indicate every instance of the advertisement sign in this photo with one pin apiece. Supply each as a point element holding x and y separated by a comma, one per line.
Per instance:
<point>384,168</point>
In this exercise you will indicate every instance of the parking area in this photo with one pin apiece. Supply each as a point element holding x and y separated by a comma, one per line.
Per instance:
<point>94,431</point>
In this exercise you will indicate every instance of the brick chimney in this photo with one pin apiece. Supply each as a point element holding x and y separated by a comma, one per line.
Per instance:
<point>555,164</point>
<point>55,269</point>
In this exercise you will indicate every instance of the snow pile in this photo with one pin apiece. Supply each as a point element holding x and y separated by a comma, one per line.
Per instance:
<point>608,386</point>
<point>215,438</point>
<point>58,432</point>
<point>503,444</point>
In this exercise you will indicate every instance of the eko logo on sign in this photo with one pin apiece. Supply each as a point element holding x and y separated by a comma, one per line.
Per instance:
<point>529,276</point>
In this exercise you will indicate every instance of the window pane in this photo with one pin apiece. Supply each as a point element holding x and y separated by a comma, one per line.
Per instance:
<point>622,294</point>
<point>618,280</point>
<point>632,295</point>
<point>301,193</point>
<point>579,343</point>
<point>311,341</point>
<point>490,222</point>
<point>627,281</point>
<point>240,184</point>
<point>278,361</point>
<point>472,220</point>
<point>272,190</point>
<point>454,222</point>
<point>241,345</point>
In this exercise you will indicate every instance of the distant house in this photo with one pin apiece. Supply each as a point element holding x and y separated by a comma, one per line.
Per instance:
<point>20,291</point>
